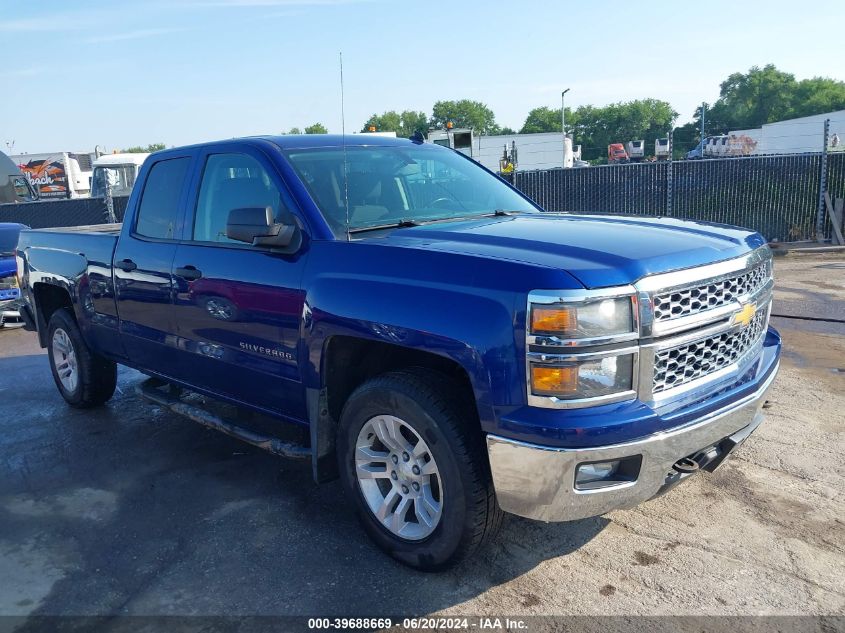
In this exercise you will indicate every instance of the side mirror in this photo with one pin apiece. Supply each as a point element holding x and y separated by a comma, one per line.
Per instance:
<point>255,226</point>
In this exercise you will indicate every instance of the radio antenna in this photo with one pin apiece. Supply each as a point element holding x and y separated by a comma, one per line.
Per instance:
<point>343,137</point>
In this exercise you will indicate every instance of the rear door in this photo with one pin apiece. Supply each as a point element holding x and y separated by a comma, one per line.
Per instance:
<point>237,307</point>
<point>143,263</point>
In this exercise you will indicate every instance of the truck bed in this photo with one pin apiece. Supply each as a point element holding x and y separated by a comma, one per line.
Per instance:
<point>69,252</point>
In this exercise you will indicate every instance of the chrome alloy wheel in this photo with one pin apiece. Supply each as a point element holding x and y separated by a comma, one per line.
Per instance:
<point>398,477</point>
<point>64,360</point>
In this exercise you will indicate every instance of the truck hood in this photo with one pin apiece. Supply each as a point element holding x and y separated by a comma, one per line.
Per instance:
<point>8,267</point>
<point>599,251</point>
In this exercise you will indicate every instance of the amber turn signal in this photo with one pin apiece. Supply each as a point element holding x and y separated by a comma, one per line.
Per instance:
<point>550,381</point>
<point>561,320</point>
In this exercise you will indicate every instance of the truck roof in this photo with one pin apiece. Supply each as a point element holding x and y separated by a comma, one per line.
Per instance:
<point>310,141</point>
<point>302,141</point>
<point>121,159</point>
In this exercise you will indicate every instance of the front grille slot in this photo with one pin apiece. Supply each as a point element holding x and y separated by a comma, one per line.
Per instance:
<point>688,301</point>
<point>684,363</point>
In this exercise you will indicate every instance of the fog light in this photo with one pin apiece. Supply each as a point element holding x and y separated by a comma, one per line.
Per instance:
<point>589,473</point>
<point>590,476</point>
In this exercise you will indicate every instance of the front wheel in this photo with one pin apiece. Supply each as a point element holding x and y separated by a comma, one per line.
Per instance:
<point>84,378</point>
<point>415,464</point>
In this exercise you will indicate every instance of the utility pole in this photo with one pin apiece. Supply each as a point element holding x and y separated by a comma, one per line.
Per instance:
<point>563,123</point>
<point>703,110</point>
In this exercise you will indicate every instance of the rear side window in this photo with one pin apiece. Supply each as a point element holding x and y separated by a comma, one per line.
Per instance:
<point>159,207</point>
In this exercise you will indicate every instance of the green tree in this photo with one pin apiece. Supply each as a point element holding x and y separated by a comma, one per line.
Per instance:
<point>686,137</point>
<point>317,128</point>
<point>138,149</point>
<point>762,95</point>
<point>543,119</point>
<point>389,121</point>
<point>293,130</point>
<point>594,128</point>
<point>765,95</point>
<point>413,121</point>
<point>818,95</point>
<point>404,124</point>
<point>465,113</point>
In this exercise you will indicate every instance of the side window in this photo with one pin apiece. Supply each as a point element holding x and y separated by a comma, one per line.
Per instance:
<point>232,181</point>
<point>22,189</point>
<point>159,206</point>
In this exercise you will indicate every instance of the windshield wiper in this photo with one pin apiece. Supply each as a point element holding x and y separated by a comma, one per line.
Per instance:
<point>401,224</point>
<point>407,222</point>
<point>500,212</point>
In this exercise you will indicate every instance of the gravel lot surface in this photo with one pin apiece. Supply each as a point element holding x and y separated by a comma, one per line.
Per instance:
<point>128,510</point>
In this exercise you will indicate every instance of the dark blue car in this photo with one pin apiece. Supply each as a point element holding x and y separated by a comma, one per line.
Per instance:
<point>441,344</point>
<point>9,291</point>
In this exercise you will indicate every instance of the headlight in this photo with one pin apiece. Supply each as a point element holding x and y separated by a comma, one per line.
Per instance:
<point>584,320</point>
<point>581,347</point>
<point>584,379</point>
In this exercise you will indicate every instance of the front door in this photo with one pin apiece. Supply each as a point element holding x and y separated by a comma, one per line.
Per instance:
<point>237,307</point>
<point>142,266</point>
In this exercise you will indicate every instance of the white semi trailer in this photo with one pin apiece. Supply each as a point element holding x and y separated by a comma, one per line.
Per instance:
<point>798,136</point>
<point>533,151</point>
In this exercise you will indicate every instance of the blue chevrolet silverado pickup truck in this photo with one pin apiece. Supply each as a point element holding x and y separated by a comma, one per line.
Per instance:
<point>447,349</point>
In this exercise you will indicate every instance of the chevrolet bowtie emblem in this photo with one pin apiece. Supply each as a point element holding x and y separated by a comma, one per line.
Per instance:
<point>744,316</point>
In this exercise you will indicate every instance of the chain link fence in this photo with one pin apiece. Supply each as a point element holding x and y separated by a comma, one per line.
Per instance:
<point>57,213</point>
<point>775,195</point>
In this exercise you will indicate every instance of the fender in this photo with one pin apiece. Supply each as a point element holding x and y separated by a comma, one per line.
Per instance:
<point>83,273</point>
<point>424,301</point>
<point>67,271</point>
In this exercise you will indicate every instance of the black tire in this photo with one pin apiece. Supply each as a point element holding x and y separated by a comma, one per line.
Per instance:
<point>427,402</point>
<point>96,376</point>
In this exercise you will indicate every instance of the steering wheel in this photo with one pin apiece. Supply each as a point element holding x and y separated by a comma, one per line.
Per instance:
<point>438,201</point>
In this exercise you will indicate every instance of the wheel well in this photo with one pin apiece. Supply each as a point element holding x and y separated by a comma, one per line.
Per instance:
<point>48,299</point>
<point>373,358</point>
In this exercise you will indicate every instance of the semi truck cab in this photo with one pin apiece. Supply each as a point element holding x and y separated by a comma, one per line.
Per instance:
<point>116,171</point>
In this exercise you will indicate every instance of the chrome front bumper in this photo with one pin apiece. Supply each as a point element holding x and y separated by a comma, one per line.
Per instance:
<point>10,312</point>
<point>538,482</point>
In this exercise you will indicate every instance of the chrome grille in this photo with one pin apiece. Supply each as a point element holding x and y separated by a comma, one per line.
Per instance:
<point>687,301</point>
<point>684,363</point>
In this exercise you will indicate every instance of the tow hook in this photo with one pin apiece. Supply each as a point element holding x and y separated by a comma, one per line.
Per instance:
<point>686,465</point>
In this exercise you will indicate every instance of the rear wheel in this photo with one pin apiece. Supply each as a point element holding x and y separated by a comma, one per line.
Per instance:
<point>84,378</point>
<point>417,470</point>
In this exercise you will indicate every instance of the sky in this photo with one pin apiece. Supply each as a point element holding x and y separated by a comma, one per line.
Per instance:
<point>115,74</point>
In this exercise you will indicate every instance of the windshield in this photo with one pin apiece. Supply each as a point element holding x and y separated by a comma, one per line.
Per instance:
<point>119,177</point>
<point>393,184</point>
<point>8,240</point>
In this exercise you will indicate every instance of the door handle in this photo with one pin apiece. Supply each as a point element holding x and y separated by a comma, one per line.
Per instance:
<point>126,265</point>
<point>189,272</point>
